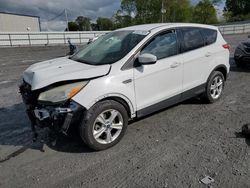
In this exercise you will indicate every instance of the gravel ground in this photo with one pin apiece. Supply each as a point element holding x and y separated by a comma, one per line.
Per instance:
<point>172,148</point>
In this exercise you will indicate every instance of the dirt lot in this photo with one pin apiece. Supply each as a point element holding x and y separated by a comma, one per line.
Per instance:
<point>172,148</point>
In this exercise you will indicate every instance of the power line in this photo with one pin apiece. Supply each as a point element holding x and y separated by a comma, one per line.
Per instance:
<point>61,13</point>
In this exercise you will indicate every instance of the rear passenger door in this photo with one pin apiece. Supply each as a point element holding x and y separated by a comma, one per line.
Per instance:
<point>196,57</point>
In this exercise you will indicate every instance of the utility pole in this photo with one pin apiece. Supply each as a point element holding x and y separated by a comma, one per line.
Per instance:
<point>174,9</point>
<point>163,11</point>
<point>67,21</point>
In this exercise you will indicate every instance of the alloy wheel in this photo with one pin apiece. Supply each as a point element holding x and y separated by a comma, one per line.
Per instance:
<point>216,87</point>
<point>107,126</point>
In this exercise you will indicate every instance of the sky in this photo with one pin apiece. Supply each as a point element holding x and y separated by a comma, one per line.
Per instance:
<point>49,9</point>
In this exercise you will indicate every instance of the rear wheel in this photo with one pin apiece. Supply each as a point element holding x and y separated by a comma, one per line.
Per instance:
<point>215,86</point>
<point>104,125</point>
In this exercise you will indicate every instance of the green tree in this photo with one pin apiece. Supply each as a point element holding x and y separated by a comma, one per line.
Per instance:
<point>72,26</point>
<point>104,24</point>
<point>94,27</point>
<point>149,11</point>
<point>120,20</point>
<point>83,23</point>
<point>237,10</point>
<point>128,6</point>
<point>180,11</point>
<point>205,12</point>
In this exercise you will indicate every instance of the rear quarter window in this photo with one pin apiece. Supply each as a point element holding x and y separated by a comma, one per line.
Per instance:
<point>210,35</point>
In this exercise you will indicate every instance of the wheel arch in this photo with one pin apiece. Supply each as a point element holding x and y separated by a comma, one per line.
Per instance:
<point>123,100</point>
<point>222,69</point>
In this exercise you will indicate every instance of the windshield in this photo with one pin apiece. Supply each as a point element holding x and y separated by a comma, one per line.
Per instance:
<point>109,48</point>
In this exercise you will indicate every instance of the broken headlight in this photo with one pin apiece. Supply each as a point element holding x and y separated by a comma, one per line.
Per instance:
<point>62,93</point>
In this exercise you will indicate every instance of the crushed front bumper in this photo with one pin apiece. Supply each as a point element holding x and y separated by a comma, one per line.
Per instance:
<point>59,118</point>
<point>56,116</point>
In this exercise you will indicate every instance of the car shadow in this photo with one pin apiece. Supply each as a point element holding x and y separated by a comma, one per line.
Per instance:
<point>234,68</point>
<point>243,136</point>
<point>240,69</point>
<point>15,130</point>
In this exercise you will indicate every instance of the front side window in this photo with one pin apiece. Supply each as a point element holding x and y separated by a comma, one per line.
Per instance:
<point>192,39</point>
<point>162,46</point>
<point>109,48</point>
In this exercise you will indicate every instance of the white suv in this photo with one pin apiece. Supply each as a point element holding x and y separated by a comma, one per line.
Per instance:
<point>125,74</point>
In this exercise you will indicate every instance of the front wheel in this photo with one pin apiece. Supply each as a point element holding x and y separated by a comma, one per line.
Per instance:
<point>215,86</point>
<point>104,125</point>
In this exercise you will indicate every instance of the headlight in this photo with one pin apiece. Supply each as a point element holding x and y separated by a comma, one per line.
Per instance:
<point>62,93</point>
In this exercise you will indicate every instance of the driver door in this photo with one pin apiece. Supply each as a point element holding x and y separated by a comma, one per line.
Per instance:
<point>160,84</point>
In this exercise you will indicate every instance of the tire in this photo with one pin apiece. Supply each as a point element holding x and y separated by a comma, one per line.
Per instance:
<point>108,121</point>
<point>210,94</point>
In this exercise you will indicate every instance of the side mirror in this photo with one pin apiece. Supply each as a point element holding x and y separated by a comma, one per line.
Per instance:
<point>147,59</point>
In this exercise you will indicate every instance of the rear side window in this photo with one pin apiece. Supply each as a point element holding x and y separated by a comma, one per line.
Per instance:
<point>192,39</point>
<point>210,35</point>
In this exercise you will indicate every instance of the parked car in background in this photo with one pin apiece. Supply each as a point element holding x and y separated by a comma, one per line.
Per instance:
<point>242,53</point>
<point>125,74</point>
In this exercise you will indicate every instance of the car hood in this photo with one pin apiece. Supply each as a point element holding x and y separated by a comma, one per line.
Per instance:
<point>42,74</point>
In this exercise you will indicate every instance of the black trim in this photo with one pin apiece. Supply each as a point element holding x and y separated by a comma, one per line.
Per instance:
<point>193,92</point>
<point>173,100</point>
<point>158,106</point>
<point>218,67</point>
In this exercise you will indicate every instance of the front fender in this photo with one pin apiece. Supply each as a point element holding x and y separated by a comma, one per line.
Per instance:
<point>108,87</point>
<point>115,95</point>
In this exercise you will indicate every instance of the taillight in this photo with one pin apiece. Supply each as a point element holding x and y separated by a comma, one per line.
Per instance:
<point>226,46</point>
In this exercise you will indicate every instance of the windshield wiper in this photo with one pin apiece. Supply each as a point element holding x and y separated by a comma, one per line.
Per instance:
<point>81,61</point>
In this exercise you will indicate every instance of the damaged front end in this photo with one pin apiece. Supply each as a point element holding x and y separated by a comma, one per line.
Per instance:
<point>58,116</point>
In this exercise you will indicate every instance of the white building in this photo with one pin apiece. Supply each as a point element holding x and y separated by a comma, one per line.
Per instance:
<point>10,22</point>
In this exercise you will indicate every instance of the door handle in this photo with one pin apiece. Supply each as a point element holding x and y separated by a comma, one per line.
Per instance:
<point>175,64</point>
<point>208,54</point>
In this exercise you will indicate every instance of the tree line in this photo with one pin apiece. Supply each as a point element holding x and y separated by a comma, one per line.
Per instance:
<point>133,12</point>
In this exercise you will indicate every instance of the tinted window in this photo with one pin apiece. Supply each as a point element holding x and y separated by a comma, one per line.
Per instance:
<point>192,39</point>
<point>209,35</point>
<point>162,46</point>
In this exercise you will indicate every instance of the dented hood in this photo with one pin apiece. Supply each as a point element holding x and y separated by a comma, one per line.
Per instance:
<point>56,70</point>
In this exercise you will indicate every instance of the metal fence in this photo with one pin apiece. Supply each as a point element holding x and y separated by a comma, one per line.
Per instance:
<point>46,38</point>
<point>57,38</point>
<point>235,29</point>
